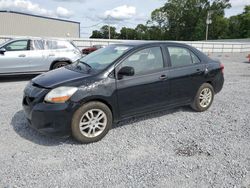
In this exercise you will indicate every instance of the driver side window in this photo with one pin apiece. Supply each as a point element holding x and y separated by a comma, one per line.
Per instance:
<point>145,61</point>
<point>17,46</point>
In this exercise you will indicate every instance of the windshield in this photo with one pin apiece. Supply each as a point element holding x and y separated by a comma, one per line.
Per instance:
<point>102,58</point>
<point>5,42</point>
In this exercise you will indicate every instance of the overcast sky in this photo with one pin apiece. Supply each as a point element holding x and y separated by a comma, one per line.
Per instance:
<point>94,13</point>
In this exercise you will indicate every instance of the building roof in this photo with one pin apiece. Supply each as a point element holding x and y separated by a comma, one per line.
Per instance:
<point>27,14</point>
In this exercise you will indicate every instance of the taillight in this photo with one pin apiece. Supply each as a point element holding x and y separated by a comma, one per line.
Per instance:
<point>222,68</point>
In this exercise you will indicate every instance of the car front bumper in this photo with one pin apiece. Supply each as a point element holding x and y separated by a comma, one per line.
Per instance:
<point>46,118</point>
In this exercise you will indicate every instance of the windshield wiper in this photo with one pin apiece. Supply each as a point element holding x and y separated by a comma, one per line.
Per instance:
<point>78,67</point>
<point>86,64</point>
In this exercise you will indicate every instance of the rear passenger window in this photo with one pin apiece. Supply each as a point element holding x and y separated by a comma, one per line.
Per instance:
<point>51,45</point>
<point>195,58</point>
<point>56,45</point>
<point>182,56</point>
<point>37,45</point>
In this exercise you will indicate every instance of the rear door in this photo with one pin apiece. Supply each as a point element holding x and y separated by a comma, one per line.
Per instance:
<point>16,57</point>
<point>186,74</point>
<point>37,56</point>
<point>148,89</point>
<point>60,50</point>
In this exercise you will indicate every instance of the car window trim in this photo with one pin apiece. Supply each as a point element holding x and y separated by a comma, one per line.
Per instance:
<point>184,66</point>
<point>192,57</point>
<point>118,65</point>
<point>141,75</point>
<point>33,40</point>
<point>185,47</point>
<point>28,43</point>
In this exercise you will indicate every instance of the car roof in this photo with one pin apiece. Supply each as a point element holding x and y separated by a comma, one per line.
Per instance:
<point>30,38</point>
<point>37,38</point>
<point>138,44</point>
<point>142,43</point>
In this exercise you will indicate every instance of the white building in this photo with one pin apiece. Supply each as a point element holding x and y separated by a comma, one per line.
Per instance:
<point>22,24</point>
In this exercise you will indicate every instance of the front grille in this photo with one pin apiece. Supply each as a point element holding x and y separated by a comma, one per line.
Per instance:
<point>34,94</point>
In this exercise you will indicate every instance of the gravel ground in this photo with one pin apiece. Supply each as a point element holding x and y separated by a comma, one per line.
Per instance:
<point>175,148</point>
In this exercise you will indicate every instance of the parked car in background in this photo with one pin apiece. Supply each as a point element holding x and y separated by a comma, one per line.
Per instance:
<point>92,49</point>
<point>119,82</point>
<point>36,55</point>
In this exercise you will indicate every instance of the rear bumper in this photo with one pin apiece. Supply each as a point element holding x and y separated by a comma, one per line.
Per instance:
<point>219,83</point>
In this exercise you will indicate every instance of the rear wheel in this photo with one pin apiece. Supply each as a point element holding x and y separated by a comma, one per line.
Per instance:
<point>91,122</point>
<point>58,65</point>
<point>204,98</point>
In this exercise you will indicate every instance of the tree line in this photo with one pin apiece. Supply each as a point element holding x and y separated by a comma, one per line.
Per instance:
<point>185,20</point>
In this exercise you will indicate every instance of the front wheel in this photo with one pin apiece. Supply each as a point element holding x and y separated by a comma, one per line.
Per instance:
<point>91,122</point>
<point>58,65</point>
<point>204,98</point>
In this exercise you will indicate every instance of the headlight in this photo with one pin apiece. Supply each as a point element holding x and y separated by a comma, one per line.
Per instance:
<point>60,94</point>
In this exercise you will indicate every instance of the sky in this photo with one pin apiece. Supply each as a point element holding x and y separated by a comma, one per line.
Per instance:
<point>94,13</point>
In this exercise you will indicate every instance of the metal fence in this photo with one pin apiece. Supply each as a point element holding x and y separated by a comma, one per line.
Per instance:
<point>207,47</point>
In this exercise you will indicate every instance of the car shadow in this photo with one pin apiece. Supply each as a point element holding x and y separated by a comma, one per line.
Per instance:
<point>16,78</point>
<point>151,116</point>
<point>246,62</point>
<point>22,128</point>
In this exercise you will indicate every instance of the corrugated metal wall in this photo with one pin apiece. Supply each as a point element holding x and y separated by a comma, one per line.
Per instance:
<point>28,25</point>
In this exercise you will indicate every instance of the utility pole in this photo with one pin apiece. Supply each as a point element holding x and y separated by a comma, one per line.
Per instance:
<point>109,27</point>
<point>109,32</point>
<point>208,21</point>
<point>126,33</point>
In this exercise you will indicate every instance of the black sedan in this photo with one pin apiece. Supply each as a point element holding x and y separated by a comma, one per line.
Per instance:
<point>118,82</point>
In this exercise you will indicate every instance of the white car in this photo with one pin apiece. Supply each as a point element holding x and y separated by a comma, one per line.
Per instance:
<point>37,55</point>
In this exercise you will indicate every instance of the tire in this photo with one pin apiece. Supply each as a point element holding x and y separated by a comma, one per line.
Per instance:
<point>204,98</point>
<point>86,118</point>
<point>59,65</point>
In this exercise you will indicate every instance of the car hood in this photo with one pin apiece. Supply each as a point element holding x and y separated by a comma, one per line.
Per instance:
<point>58,77</point>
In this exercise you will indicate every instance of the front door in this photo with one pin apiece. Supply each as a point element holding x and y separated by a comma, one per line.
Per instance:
<point>148,88</point>
<point>16,57</point>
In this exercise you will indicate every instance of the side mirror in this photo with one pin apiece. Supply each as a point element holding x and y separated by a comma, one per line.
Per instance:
<point>126,71</point>
<point>2,51</point>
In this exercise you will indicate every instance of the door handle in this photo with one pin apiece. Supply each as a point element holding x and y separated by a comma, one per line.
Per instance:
<point>163,77</point>
<point>22,55</point>
<point>205,71</point>
<point>199,70</point>
<point>51,55</point>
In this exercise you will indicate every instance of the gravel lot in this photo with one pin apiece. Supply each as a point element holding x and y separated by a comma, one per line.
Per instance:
<point>176,148</point>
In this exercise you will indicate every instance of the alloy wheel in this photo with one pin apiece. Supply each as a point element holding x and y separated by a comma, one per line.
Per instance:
<point>205,97</point>
<point>93,123</point>
<point>59,66</point>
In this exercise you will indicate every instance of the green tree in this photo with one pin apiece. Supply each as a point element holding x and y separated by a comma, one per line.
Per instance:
<point>123,33</point>
<point>158,23</point>
<point>245,22</point>
<point>128,33</point>
<point>105,32</point>
<point>234,26</point>
<point>142,32</point>
<point>96,34</point>
<point>185,20</point>
<point>239,25</point>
